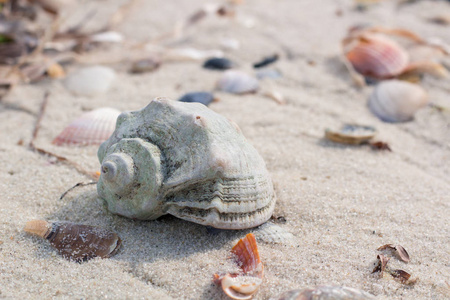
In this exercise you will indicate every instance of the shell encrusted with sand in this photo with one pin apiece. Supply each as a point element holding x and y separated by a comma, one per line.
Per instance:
<point>185,160</point>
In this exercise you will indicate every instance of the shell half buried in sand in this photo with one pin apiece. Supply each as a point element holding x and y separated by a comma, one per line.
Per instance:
<point>76,241</point>
<point>351,134</point>
<point>237,82</point>
<point>91,128</point>
<point>243,286</point>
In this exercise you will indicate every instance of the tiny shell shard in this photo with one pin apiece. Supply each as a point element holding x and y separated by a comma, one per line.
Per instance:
<point>243,286</point>
<point>325,293</point>
<point>92,128</point>
<point>376,56</point>
<point>75,241</point>
<point>397,101</point>
<point>237,82</point>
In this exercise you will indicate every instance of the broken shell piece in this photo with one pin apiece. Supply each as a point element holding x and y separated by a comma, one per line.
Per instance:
<point>325,292</point>
<point>397,101</point>
<point>381,264</point>
<point>204,98</point>
<point>351,134</point>
<point>92,128</point>
<point>399,251</point>
<point>75,241</point>
<point>237,82</point>
<point>243,286</point>
<point>376,56</point>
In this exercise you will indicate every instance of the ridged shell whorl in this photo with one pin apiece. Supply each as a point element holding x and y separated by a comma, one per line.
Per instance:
<point>186,160</point>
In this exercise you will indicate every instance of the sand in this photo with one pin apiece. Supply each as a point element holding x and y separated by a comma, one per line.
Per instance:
<point>340,202</point>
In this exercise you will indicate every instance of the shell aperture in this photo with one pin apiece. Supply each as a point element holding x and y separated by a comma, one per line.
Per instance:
<point>186,160</point>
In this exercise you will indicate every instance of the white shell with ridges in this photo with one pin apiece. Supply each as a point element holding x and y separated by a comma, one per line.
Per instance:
<point>397,101</point>
<point>91,128</point>
<point>186,160</point>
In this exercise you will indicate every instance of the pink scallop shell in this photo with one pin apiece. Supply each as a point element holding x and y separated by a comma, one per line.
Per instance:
<point>377,56</point>
<point>92,128</point>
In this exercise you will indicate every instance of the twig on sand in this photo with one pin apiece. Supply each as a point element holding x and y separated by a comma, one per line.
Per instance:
<point>79,184</point>
<point>32,146</point>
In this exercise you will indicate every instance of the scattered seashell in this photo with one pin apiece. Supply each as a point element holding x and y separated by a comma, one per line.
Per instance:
<point>266,61</point>
<point>243,286</point>
<point>204,98</point>
<point>145,65</point>
<point>441,19</point>
<point>75,241</point>
<point>91,128</point>
<point>185,160</point>
<point>376,56</point>
<point>268,73</point>
<point>56,71</point>
<point>397,101</point>
<point>237,82</point>
<point>107,37</point>
<point>90,81</point>
<point>230,43</point>
<point>182,54</point>
<point>325,292</point>
<point>351,134</point>
<point>218,63</point>
<point>274,234</point>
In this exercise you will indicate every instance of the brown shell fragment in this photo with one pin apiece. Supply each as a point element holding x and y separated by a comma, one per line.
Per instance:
<point>243,286</point>
<point>76,242</point>
<point>382,262</point>
<point>402,276</point>
<point>399,251</point>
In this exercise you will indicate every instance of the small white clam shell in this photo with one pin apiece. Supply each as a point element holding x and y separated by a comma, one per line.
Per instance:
<point>91,128</point>
<point>272,233</point>
<point>90,81</point>
<point>397,101</point>
<point>237,82</point>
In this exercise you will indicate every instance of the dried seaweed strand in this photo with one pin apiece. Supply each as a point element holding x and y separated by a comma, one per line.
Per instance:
<point>79,184</point>
<point>60,158</point>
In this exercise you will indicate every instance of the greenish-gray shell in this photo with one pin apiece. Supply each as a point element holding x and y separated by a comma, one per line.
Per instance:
<point>185,160</point>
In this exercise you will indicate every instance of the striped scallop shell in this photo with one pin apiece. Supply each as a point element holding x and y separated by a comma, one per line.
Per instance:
<point>237,82</point>
<point>243,286</point>
<point>397,101</point>
<point>91,128</point>
<point>377,56</point>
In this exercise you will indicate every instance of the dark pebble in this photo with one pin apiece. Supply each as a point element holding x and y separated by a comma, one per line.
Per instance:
<point>200,97</point>
<point>218,64</point>
<point>266,61</point>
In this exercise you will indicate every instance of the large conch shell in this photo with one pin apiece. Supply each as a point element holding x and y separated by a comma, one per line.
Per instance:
<point>397,101</point>
<point>185,160</point>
